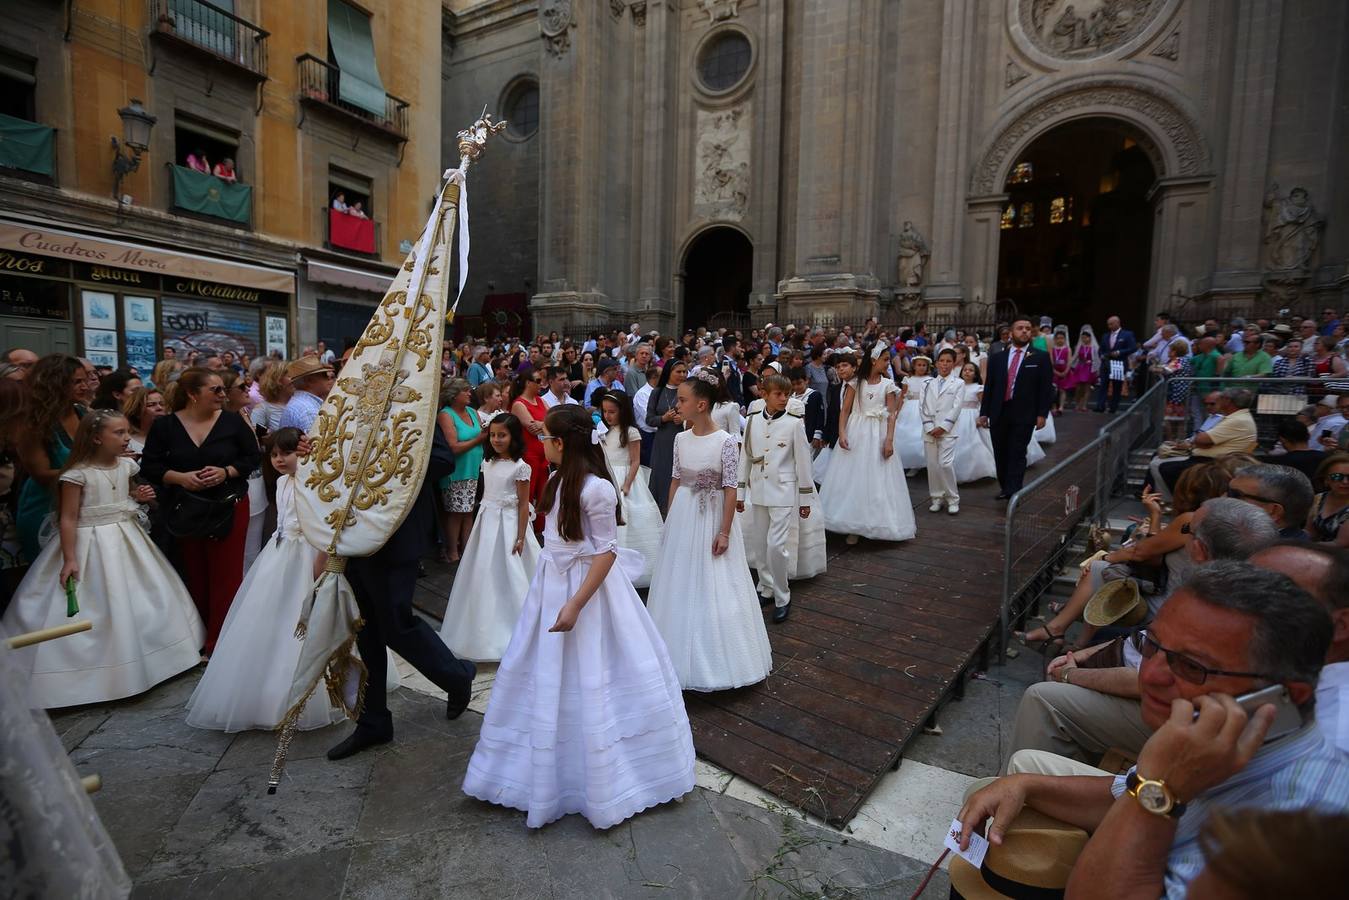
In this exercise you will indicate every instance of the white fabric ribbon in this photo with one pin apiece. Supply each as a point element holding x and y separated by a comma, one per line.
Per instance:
<point>456,176</point>
<point>598,432</point>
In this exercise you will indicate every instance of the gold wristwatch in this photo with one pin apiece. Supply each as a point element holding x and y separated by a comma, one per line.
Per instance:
<point>1153,796</point>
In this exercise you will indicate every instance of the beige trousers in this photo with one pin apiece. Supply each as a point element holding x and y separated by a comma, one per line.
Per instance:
<point>1077,722</point>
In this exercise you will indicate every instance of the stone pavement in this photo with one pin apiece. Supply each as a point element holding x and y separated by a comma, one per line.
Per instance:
<point>189,812</point>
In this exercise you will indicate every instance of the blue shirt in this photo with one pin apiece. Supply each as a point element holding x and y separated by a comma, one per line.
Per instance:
<point>1300,771</point>
<point>300,411</point>
<point>597,385</point>
<point>478,373</point>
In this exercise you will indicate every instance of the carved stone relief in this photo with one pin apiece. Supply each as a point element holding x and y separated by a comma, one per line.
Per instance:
<point>721,176</point>
<point>554,25</point>
<point>1170,47</point>
<point>1013,74</point>
<point>1292,230</point>
<point>1181,134</point>
<point>1082,29</point>
<point>720,10</point>
<point>638,10</point>
<point>616,8</point>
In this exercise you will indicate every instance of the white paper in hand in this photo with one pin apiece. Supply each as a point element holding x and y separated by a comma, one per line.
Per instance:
<point>978,845</point>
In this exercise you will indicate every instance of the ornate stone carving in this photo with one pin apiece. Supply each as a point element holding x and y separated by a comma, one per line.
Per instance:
<point>912,261</point>
<point>1082,29</point>
<point>721,189</point>
<point>638,10</point>
<point>1182,135</point>
<point>1170,47</point>
<point>1292,230</point>
<point>1013,74</point>
<point>616,8</point>
<point>720,10</point>
<point>555,24</point>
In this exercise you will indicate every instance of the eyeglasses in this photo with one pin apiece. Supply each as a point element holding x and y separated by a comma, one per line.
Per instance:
<point>549,437</point>
<point>1236,494</point>
<point>1338,477</point>
<point>1185,668</point>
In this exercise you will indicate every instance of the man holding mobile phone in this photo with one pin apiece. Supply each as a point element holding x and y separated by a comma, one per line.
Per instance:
<point>1230,629</point>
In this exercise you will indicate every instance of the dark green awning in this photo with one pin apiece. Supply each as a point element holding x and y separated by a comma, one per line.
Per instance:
<point>26,145</point>
<point>200,193</point>
<point>354,46</point>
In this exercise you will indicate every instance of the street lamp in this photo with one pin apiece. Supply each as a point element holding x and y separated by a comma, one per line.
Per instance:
<point>136,125</point>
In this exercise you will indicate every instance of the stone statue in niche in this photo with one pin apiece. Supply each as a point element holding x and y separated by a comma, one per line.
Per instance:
<point>1292,229</point>
<point>913,256</point>
<point>720,10</point>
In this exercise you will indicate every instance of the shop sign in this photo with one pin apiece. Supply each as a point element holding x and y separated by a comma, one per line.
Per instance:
<point>110,275</point>
<point>196,288</point>
<point>38,298</point>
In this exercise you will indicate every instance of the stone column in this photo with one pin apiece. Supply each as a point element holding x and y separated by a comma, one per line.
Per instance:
<point>1180,210</point>
<point>832,266</point>
<point>951,177</point>
<point>982,236</point>
<point>1254,64</point>
<point>766,193</point>
<point>571,125</point>
<point>657,27</point>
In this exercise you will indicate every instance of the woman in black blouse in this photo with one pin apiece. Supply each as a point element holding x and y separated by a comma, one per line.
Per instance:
<point>205,450</point>
<point>662,416</point>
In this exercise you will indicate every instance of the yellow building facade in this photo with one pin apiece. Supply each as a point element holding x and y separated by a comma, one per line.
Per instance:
<point>236,174</point>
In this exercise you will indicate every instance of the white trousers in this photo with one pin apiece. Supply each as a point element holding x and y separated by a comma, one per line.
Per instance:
<point>941,467</point>
<point>773,531</point>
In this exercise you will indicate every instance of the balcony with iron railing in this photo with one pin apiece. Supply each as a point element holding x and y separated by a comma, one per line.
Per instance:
<point>215,33</point>
<point>200,195</point>
<point>320,87</point>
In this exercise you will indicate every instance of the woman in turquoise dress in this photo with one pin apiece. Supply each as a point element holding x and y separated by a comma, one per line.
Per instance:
<point>60,388</point>
<point>463,431</point>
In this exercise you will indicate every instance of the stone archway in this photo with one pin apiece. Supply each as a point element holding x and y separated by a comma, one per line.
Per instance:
<point>716,276</point>
<point>1162,131</point>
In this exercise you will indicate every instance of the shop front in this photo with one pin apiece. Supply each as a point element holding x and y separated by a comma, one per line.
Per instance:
<point>121,304</point>
<point>344,296</point>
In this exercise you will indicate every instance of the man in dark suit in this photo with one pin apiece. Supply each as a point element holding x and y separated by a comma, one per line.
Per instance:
<point>1017,396</point>
<point>1118,344</point>
<point>383,584</point>
<point>730,368</point>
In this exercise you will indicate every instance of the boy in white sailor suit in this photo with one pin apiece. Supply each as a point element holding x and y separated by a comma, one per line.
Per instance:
<point>940,409</point>
<point>775,468</point>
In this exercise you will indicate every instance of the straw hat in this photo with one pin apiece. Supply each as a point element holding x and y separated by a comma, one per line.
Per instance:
<point>306,366</point>
<point>1035,858</point>
<point>1283,330</point>
<point>1116,603</point>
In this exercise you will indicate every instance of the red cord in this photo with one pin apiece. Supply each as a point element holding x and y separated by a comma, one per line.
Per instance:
<point>930,872</point>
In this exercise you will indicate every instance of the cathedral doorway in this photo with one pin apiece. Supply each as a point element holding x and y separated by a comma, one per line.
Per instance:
<point>717,278</point>
<point>1075,233</point>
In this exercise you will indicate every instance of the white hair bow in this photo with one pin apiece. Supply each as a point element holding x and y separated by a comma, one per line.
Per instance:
<point>877,350</point>
<point>598,432</point>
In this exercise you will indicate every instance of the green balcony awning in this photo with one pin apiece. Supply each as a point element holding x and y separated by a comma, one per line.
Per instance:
<point>200,193</point>
<point>359,83</point>
<point>26,145</point>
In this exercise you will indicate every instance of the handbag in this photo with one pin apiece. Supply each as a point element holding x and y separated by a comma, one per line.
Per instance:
<point>191,515</point>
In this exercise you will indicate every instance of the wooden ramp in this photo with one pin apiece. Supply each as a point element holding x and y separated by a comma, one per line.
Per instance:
<point>871,648</point>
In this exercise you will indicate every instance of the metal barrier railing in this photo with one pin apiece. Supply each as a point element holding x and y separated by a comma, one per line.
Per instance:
<point>1043,514</point>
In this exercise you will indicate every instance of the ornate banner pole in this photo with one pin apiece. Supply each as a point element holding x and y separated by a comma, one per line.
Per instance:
<point>372,442</point>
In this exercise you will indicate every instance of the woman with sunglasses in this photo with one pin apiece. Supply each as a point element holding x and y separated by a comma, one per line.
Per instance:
<point>206,451</point>
<point>1329,520</point>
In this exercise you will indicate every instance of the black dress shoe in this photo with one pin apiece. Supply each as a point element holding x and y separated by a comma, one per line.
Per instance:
<point>358,740</point>
<point>457,700</point>
<point>780,614</point>
<point>765,601</point>
<point>1004,496</point>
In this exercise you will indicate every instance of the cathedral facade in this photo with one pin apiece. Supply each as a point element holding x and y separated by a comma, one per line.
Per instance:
<point>684,162</point>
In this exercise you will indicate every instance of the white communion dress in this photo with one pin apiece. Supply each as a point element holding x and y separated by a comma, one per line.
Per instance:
<point>974,445</point>
<point>864,493</point>
<point>491,582</point>
<point>909,425</point>
<point>589,721</point>
<point>642,521</point>
<point>809,555</point>
<point>1047,434</point>
<point>247,683</point>
<point>1034,452</point>
<point>145,626</point>
<point>705,606</point>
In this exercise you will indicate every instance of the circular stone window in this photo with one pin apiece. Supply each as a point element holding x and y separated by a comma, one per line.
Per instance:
<point>724,61</point>
<point>522,110</point>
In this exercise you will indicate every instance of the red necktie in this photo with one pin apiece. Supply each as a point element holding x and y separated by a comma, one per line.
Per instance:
<point>1011,373</point>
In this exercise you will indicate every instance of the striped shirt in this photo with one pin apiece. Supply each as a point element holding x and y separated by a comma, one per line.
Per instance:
<point>1300,771</point>
<point>301,411</point>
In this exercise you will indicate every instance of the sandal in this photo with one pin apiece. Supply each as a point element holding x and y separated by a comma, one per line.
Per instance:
<point>1054,641</point>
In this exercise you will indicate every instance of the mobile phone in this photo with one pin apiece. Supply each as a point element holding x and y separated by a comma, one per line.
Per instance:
<point>1287,720</point>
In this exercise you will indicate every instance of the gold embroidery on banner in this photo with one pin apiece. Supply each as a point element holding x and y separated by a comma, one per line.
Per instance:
<point>381,325</point>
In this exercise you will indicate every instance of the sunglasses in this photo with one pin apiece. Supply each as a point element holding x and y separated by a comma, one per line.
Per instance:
<point>1185,668</point>
<point>1337,477</point>
<point>216,389</point>
<point>1242,495</point>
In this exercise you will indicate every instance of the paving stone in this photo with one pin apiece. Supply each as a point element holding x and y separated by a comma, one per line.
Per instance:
<point>139,814</point>
<point>75,726</point>
<point>684,846</point>
<point>312,875</point>
<point>124,744</point>
<point>254,749</point>
<point>416,786</point>
<point>498,859</point>
<point>786,856</point>
<point>171,694</point>
<point>234,822</point>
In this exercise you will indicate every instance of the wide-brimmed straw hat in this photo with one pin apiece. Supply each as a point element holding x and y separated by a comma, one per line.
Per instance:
<point>1116,603</point>
<point>1035,858</point>
<point>306,366</point>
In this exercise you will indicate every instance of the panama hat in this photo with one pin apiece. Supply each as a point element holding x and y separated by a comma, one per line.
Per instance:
<point>1283,330</point>
<point>306,366</point>
<point>1116,603</point>
<point>1035,858</point>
